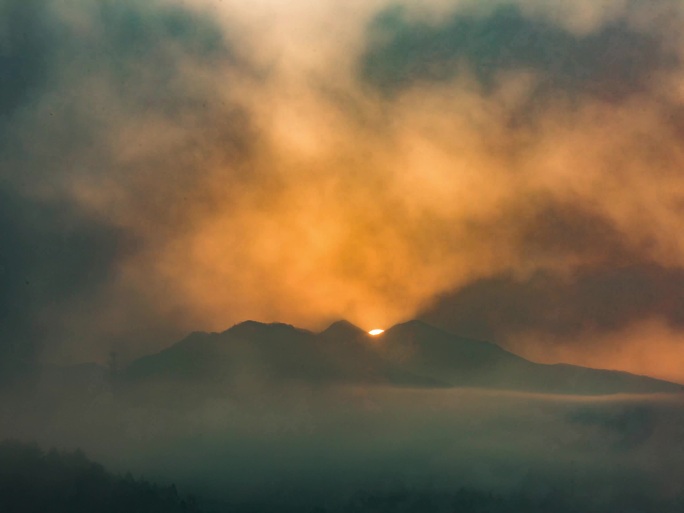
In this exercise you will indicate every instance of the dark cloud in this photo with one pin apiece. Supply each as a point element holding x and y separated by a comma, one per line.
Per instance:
<point>546,229</point>
<point>591,299</point>
<point>610,63</point>
<point>23,51</point>
<point>87,99</point>
<point>590,277</point>
<point>49,253</point>
<point>139,46</point>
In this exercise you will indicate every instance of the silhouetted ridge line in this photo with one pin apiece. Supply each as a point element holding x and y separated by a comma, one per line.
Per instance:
<point>410,354</point>
<point>249,327</point>
<point>342,328</point>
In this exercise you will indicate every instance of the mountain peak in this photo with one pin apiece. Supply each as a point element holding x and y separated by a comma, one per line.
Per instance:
<point>409,353</point>
<point>250,327</point>
<point>250,324</point>
<point>342,328</point>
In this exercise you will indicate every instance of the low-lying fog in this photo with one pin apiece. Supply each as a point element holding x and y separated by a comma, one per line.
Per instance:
<point>298,444</point>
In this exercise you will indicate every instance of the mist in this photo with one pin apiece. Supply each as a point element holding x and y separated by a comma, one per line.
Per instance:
<point>259,444</point>
<point>257,417</point>
<point>508,171</point>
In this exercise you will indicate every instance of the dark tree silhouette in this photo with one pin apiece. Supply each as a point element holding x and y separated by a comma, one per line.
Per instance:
<point>33,481</point>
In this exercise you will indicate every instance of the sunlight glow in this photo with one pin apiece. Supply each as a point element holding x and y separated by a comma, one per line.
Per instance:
<point>376,332</point>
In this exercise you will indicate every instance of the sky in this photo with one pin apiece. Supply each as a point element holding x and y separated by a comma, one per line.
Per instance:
<point>508,170</point>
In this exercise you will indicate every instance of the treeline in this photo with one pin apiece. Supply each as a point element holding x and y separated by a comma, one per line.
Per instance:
<point>618,498</point>
<point>406,500</point>
<point>35,481</point>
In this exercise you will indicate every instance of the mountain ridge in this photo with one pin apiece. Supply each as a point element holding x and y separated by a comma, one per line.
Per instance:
<point>413,353</point>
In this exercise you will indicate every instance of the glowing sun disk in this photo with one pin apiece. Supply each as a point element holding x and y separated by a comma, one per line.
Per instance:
<point>376,332</point>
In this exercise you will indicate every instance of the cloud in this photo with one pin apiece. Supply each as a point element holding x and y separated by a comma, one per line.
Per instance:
<point>593,299</point>
<point>170,167</point>
<point>49,253</point>
<point>22,50</point>
<point>99,96</point>
<point>611,62</point>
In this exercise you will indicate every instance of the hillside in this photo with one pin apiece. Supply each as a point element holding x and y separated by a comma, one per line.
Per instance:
<point>34,481</point>
<point>408,354</point>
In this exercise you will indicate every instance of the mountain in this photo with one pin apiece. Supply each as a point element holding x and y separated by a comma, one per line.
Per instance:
<point>409,354</point>
<point>278,351</point>
<point>464,362</point>
<point>342,354</point>
<point>358,353</point>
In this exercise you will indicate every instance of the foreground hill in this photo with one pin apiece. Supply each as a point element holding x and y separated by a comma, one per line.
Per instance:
<point>409,354</point>
<point>33,481</point>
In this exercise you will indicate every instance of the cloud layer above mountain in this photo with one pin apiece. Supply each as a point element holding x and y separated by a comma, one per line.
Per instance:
<point>509,169</point>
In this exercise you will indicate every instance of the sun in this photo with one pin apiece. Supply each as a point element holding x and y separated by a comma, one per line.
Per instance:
<point>376,332</point>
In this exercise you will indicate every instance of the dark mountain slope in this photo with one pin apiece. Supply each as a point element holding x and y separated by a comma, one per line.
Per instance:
<point>32,481</point>
<point>274,353</point>
<point>459,361</point>
<point>409,354</point>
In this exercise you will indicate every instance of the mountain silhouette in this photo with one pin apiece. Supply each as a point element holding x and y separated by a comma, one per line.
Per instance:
<point>459,361</point>
<point>409,354</point>
<point>343,331</point>
<point>275,352</point>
